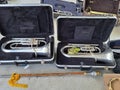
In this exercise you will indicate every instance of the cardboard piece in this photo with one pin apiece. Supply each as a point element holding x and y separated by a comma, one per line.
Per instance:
<point>115,84</point>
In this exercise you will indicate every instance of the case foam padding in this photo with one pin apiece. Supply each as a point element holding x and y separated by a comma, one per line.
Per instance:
<point>99,29</point>
<point>26,21</point>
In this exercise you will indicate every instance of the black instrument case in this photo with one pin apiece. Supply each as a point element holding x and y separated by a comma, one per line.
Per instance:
<point>26,21</point>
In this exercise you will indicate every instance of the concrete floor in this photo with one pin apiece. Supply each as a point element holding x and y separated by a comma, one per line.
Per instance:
<point>52,83</point>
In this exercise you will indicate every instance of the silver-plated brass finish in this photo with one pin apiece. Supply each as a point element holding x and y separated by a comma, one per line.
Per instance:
<point>105,56</point>
<point>83,47</point>
<point>27,45</point>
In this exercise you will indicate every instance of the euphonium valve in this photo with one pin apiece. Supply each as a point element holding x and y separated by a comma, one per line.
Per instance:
<point>27,45</point>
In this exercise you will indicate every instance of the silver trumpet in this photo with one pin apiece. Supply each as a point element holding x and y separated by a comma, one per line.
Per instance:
<point>27,45</point>
<point>88,51</point>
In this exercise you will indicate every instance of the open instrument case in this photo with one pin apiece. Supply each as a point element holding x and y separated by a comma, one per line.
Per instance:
<point>61,7</point>
<point>101,7</point>
<point>84,31</point>
<point>27,31</point>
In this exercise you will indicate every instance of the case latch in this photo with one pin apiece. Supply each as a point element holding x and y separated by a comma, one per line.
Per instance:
<point>21,63</point>
<point>82,68</point>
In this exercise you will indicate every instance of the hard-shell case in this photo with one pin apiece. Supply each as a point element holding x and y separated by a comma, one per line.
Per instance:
<point>61,7</point>
<point>85,30</point>
<point>101,7</point>
<point>26,21</point>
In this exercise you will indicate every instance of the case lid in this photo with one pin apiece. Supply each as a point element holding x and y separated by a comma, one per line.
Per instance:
<point>86,29</point>
<point>26,20</point>
<point>106,6</point>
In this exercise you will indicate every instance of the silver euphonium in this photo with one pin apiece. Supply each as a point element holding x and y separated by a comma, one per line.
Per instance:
<point>88,51</point>
<point>27,45</point>
<point>84,50</point>
<point>80,50</point>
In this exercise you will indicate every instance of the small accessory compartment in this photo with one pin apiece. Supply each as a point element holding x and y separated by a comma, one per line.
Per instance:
<point>82,41</point>
<point>28,33</point>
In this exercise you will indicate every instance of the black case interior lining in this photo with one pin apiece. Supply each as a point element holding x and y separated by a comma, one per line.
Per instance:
<point>84,30</point>
<point>26,21</point>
